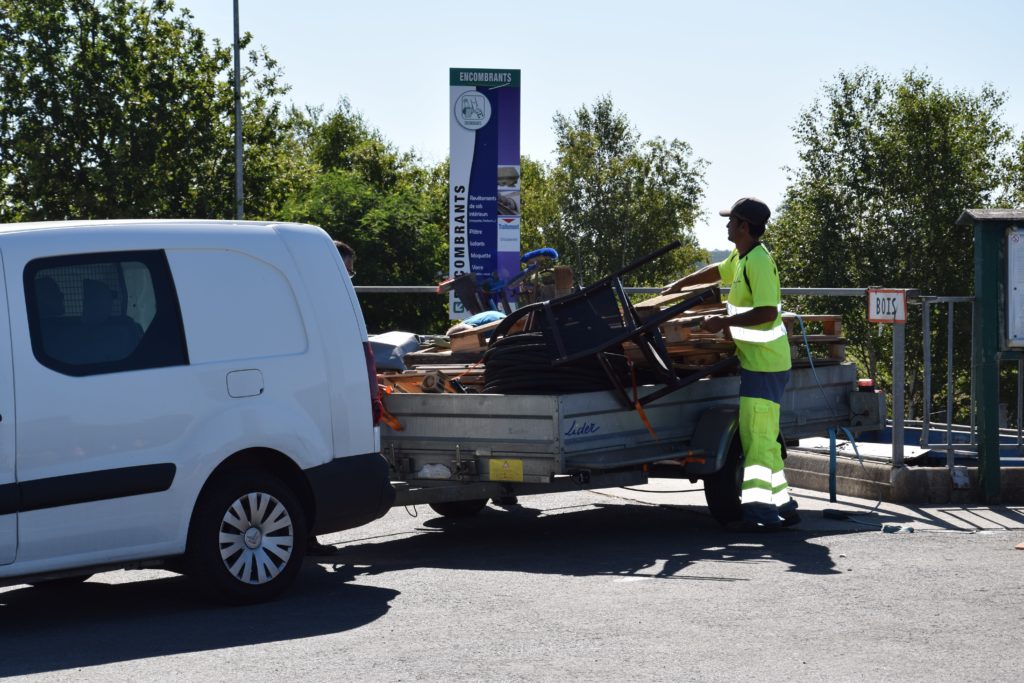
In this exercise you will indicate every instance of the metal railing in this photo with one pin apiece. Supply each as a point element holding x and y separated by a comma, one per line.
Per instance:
<point>926,303</point>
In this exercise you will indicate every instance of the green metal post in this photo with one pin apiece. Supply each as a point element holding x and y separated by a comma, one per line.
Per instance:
<point>990,226</point>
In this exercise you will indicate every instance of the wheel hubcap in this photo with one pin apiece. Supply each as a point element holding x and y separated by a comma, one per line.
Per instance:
<point>257,538</point>
<point>252,538</point>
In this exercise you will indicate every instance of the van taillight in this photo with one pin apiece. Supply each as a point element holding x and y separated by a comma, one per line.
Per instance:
<point>371,375</point>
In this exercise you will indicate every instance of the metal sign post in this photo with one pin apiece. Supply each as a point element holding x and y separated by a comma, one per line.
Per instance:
<point>239,206</point>
<point>889,306</point>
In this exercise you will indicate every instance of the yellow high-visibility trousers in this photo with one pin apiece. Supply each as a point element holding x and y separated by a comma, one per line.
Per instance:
<point>764,491</point>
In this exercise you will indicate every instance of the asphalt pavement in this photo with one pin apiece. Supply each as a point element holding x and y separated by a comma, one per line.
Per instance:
<point>586,586</point>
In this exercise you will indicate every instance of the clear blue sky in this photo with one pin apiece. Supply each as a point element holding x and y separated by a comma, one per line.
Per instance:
<point>727,76</point>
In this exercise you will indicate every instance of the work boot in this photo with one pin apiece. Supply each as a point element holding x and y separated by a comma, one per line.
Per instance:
<point>788,513</point>
<point>757,517</point>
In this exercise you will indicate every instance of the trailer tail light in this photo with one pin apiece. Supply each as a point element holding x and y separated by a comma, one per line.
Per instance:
<point>371,376</point>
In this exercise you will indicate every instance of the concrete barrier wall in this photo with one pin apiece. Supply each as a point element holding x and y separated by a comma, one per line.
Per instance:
<point>880,481</point>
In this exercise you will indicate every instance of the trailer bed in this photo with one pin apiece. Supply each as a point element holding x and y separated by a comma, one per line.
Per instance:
<point>533,439</point>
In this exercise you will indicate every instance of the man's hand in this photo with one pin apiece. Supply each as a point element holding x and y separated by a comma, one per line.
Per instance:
<point>714,324</point>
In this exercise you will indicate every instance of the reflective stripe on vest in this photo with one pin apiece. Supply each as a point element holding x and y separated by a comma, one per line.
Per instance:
<point>749,335</point>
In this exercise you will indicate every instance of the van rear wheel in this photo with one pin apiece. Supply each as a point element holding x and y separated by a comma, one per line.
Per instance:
<point>247,539</point>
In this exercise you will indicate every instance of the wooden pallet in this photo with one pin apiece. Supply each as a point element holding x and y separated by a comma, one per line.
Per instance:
<point>828,325</point>
<point>687,327</point>
<point>703,349</point>
<point>822,331</point>
<point>834,347</point>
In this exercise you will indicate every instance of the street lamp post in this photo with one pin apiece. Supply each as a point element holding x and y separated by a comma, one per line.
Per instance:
<point>239,208</point>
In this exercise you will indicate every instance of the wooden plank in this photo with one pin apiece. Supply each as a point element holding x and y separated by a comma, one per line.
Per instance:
<point>474,339</point>
<point>441,357</point>
<point>649,306</point>
<point>817,339</point>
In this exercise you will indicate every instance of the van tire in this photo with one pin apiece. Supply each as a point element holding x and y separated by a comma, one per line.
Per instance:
<point>247,538</point>
<point>722,489</point>
<point>459,508</point>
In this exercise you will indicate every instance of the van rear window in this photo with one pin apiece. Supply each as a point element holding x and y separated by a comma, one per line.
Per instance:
<point>105,312</point>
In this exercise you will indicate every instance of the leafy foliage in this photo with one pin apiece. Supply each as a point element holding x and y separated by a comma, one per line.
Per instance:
<point>619,197</point>
<point>886,168</point>
<point>540,208</point>
<point>387,206</point>
<point>119,109</point>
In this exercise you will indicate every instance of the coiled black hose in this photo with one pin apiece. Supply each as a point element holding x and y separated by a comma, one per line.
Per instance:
<point>522,364</point>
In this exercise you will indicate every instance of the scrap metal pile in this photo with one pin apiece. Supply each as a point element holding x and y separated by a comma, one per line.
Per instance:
<point>594,339</point>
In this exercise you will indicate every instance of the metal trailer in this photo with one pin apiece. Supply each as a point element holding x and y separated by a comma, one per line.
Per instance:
<point>456,451</point>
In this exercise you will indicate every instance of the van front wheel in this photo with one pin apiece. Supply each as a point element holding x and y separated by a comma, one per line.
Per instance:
<point>247,538</point>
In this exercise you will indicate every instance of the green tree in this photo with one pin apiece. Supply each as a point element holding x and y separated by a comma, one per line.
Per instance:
<point>540,205</point>
<point>388,206</point>
<point>886,167</point>
<point>620,197</point>
<point>120,109</point>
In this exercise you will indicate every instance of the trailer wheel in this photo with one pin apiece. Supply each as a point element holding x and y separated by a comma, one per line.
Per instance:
<point>247,539</point>
<point>459,508</point>
<point>722,489</point>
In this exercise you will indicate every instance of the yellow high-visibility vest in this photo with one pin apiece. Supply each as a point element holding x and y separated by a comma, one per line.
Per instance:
<point>753,282</point>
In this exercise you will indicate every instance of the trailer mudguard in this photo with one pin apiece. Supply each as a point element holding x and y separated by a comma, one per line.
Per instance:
<point>715,430</point>
<point>713,435</point>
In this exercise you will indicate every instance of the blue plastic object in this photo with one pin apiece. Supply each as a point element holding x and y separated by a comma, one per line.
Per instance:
<point>483,318</point>
<point>537,253</point>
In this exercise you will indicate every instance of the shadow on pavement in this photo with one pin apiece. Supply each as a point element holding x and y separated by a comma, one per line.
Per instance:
<point>939,516</point>
<point>615,540</point>
<point>45,630</point>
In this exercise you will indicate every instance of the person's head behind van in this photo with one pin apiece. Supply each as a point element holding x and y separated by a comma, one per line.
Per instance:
<point>348,257</point>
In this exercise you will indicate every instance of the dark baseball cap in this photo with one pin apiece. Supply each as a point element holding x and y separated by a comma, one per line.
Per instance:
<point>750,209</point>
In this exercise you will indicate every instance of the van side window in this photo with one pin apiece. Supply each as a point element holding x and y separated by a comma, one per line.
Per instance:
<point>92,314</point>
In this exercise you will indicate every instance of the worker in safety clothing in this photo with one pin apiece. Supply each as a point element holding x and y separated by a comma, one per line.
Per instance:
<point>755,322</point>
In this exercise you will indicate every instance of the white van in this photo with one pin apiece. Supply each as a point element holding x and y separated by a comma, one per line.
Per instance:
<point>198,395</point>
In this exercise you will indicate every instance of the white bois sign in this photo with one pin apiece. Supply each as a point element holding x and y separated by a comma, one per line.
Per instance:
<point>887,306</point>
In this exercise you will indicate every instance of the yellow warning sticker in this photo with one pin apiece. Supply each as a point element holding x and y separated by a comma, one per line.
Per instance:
<point>506,470</point>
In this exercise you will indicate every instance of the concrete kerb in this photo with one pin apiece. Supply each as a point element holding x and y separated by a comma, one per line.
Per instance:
<point>881,481</point>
